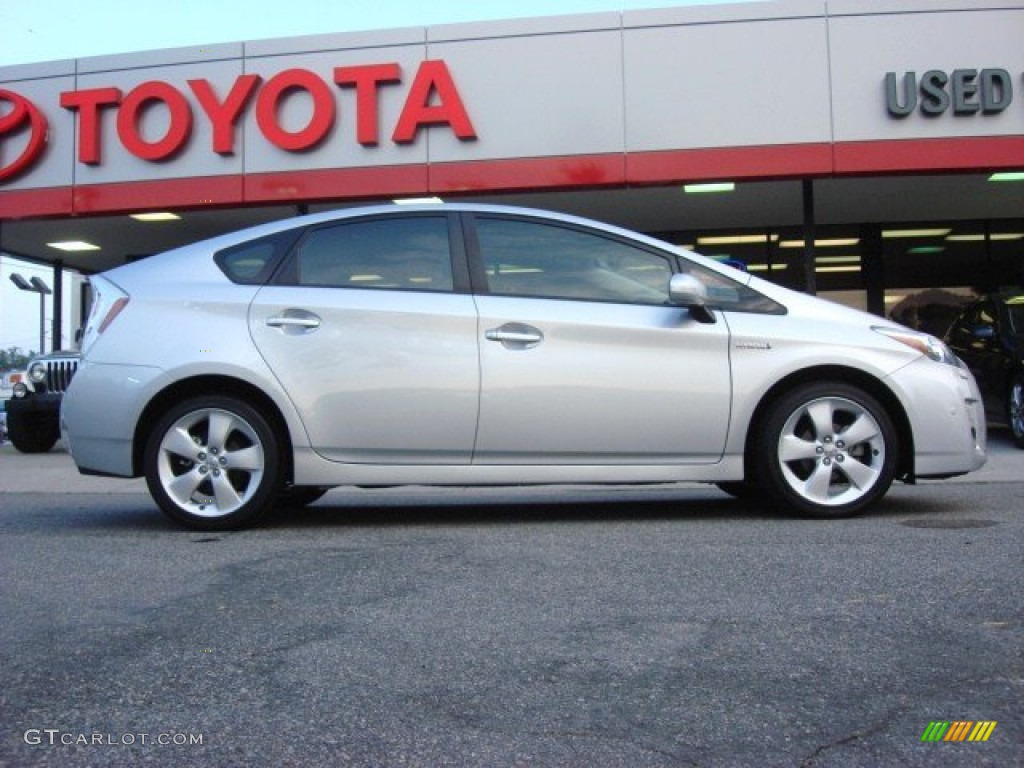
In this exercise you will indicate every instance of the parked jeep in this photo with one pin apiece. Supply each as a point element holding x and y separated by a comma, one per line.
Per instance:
<point>34,409</point>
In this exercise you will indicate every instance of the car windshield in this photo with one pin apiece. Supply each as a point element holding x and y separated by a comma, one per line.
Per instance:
<point>1015,309</point>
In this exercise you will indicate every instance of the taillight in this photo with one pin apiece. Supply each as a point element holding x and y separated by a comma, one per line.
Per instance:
<point>112,313</point>
<point>108,301</point>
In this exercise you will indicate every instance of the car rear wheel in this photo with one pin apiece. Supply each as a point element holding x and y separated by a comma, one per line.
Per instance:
<point>212,463</point>
<point>827,449</point>
<point>1015,408</point>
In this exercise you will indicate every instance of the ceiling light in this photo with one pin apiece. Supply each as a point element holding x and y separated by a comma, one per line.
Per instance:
<point>837,259</point>
<point>158,216</point>
<point>1007,176</point>
<point>837,269</point>
<point>921,250</point>
<point>826,243</point>
<point>890,234</point>
<point>74,245</point>
<point>980,238</point>
<point>735,239</point>
<point>700,189</point>
<point>418,201</point>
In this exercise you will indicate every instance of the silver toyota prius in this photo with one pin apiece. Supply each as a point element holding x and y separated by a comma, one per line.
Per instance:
<point>481,345</point>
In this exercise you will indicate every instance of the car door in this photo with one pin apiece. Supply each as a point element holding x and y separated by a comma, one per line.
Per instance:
<point>582,359</point>
<point>369,335</point>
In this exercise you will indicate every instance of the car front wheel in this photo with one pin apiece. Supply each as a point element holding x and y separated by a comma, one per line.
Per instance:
<point>1015,408</point>
<point>31,435</point>
<point>826,449</point>
<point>212,463</point>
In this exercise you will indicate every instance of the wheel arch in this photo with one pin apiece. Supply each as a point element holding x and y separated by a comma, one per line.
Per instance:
<point>858,378</point>
<point>206,385</point>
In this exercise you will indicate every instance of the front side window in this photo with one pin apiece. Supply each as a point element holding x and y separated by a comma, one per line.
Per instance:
<point>410,254</point>
<point>730,295</point>
<point>535,259</point>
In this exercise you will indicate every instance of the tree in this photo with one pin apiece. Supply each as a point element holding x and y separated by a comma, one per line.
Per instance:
<point>13,359</point>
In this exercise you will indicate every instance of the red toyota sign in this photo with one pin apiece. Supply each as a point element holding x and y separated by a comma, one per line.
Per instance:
<point>19,119</point>
<point>432,99</point>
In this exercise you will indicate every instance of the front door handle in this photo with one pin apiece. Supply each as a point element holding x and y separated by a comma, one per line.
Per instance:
<point>295,321</point>
<point>515,336</point>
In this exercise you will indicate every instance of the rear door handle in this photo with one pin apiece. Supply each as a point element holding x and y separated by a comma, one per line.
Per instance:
<point>515,336</point>
<point>295,321</point>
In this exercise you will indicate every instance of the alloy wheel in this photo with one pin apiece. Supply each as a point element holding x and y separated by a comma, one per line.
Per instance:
<point>831,451</point>
<point>210,462</point>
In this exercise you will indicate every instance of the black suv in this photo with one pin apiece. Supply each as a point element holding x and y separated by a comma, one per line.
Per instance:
<point>33,412</point>
<point>989,337</point>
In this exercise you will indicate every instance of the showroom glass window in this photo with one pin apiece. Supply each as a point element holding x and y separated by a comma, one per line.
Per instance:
<point>529,258</point>
<point>404,254</point>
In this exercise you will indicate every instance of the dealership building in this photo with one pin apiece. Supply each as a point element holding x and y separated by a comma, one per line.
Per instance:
<point>869,151</point>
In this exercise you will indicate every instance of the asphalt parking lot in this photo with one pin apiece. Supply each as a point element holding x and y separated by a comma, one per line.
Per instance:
<point>593,627</point>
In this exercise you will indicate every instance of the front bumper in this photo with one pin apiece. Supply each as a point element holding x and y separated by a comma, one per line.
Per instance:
<point>947,417</point>
<point>45,404</point>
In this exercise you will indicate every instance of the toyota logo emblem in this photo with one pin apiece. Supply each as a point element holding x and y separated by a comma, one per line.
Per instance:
<point>18,115</point>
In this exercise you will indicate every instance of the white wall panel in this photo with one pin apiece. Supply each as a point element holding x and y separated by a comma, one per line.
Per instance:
<point>195,159</point>
<point>535,96</point>
<point>55,167</point>
<point>719,85</point>
<point>340,149</point>
<point>864,48</point>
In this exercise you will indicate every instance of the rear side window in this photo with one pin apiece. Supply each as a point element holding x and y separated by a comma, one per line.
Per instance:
<point>252,262</point>
<point>411,254</point>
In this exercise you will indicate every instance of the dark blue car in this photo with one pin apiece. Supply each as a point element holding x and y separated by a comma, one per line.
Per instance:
<point>989,337</point>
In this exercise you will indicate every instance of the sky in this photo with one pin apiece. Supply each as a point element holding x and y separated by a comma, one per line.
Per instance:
<point>48,30</point>
<point>33,31</point>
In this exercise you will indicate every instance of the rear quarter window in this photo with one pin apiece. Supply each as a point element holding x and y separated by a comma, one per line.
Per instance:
<point>253,262</point>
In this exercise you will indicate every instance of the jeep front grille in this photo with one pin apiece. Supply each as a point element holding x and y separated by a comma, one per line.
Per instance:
<point>59,374</point>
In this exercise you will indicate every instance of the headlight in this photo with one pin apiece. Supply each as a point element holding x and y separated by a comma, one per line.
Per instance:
<point>925,344</point>
<point>37,373</point>
<point>20,390</point>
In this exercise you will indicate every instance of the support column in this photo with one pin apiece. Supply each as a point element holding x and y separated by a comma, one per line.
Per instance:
<point>872,267</point>
<point>810,280</point>
<point>56,336</point>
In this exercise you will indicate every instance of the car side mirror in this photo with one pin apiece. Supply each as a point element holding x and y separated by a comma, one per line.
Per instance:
<point>687,291</point>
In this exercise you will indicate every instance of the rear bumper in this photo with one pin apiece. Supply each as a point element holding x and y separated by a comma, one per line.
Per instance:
<point>100,412</point>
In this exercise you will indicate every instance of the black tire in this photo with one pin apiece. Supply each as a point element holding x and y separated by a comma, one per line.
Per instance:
<point>826,449</point>
<point>1015,408</point>
<point>31,435</point>
<point>297,496</point>
<point>212,463</point>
